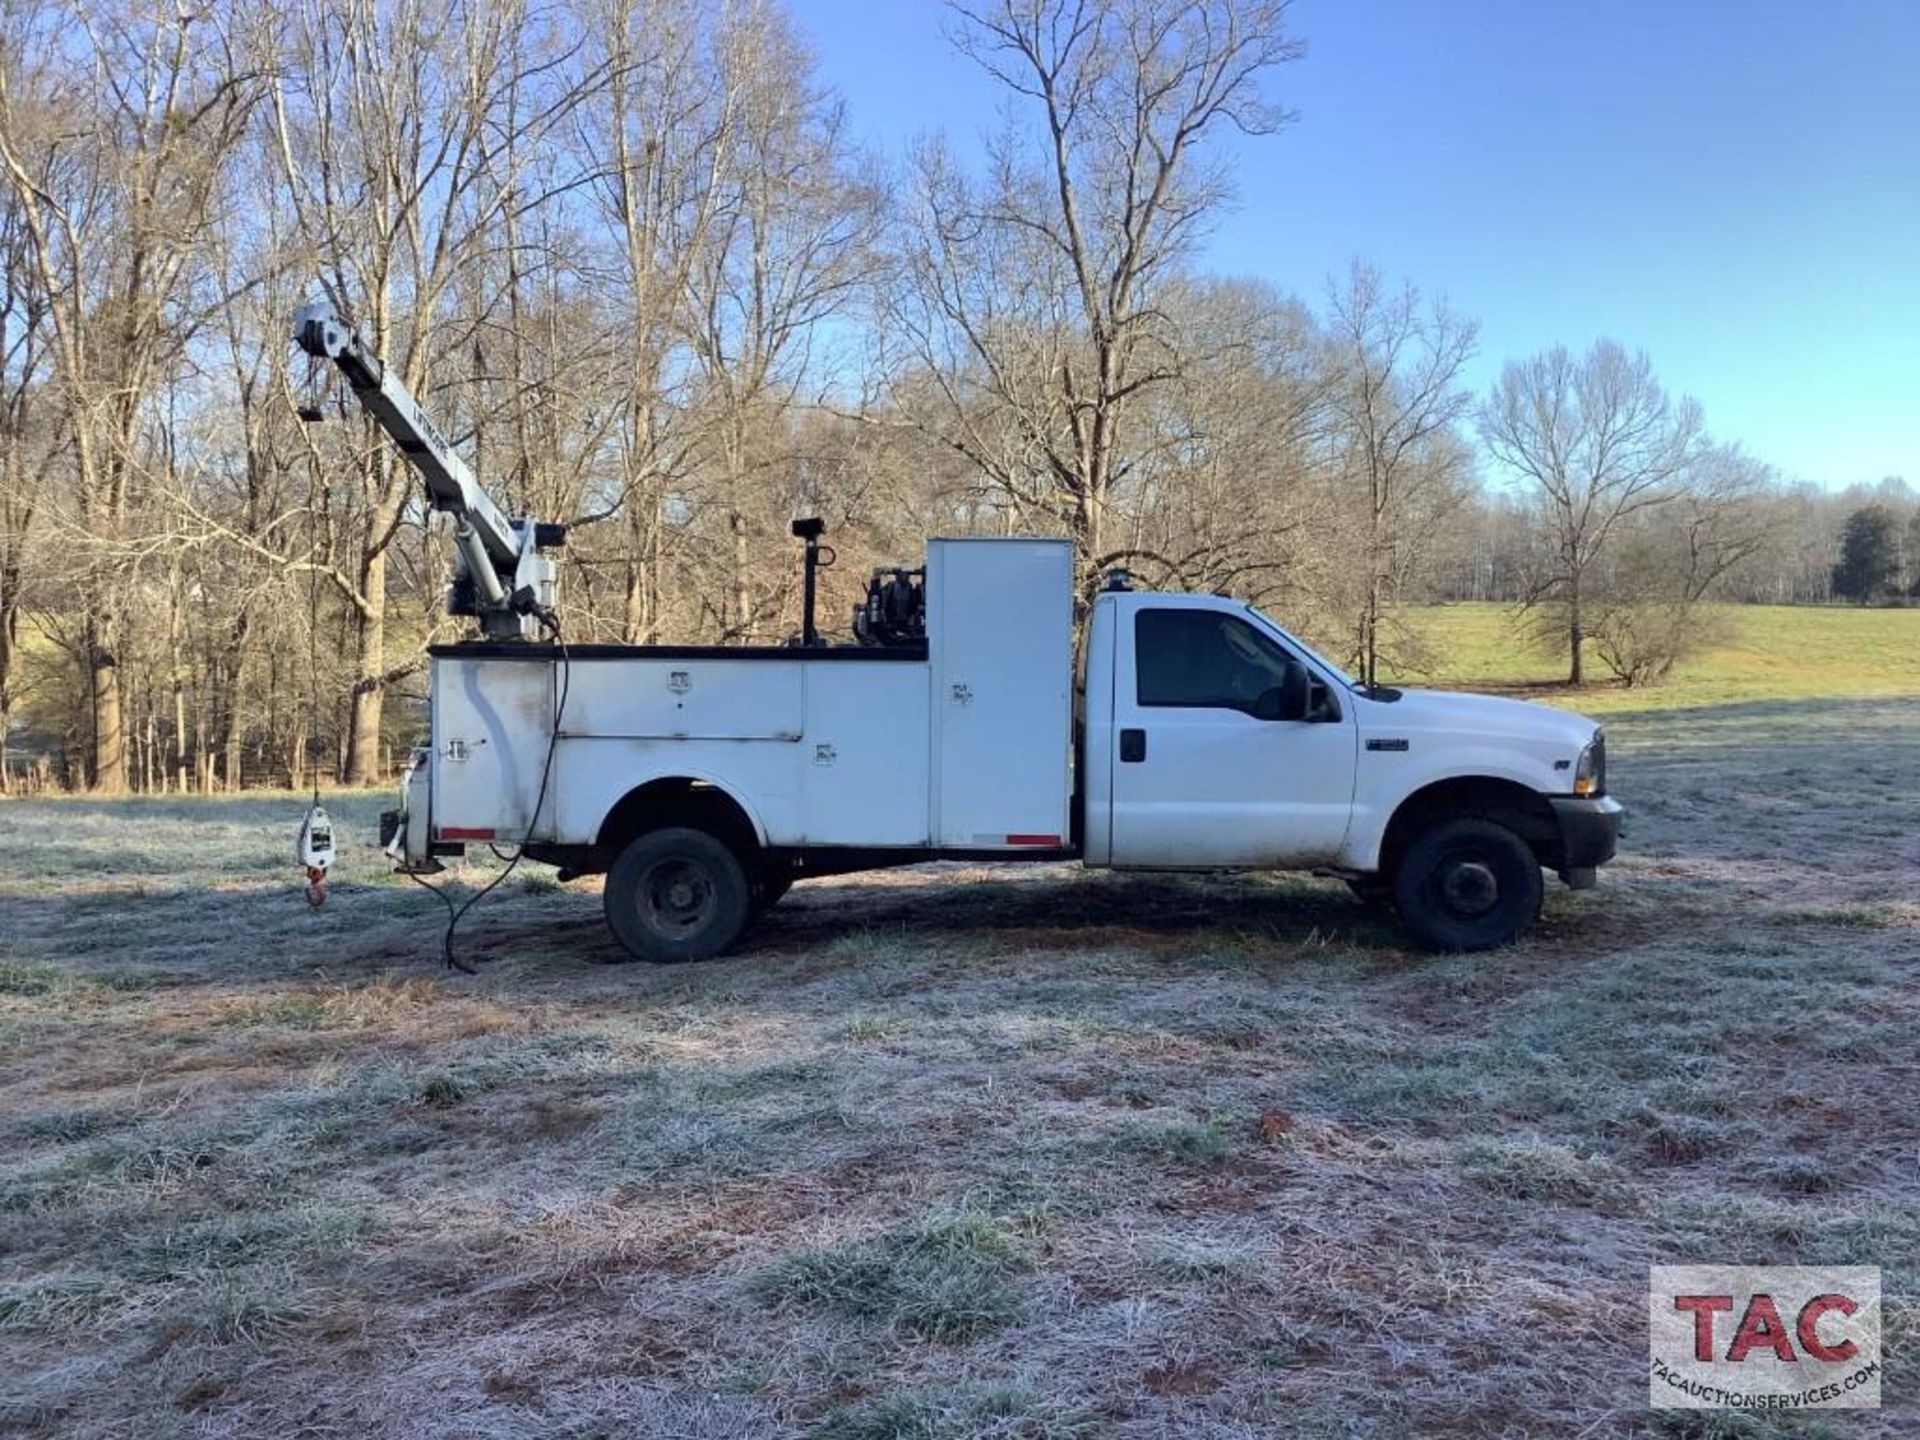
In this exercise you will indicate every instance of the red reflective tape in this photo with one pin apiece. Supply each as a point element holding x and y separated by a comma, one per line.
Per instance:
<point>1053,840</point>
<point>464,832</point>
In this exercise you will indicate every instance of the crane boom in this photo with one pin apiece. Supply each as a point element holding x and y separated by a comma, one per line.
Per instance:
<point>511,584</point>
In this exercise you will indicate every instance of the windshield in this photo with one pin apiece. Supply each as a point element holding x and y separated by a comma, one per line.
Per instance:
<point>1313,654</point>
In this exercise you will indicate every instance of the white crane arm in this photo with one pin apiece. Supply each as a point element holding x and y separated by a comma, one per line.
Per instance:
<point>508,578</point>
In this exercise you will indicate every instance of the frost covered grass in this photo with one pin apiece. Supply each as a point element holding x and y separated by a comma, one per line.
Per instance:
<point>949,1152</point>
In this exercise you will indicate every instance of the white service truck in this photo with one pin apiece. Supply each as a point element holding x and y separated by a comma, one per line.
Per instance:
<point>1183,732</point>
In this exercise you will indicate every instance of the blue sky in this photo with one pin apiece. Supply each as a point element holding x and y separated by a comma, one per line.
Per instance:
<point>1733,187</point>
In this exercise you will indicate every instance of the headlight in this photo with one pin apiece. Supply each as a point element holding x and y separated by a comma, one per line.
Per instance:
<point>1590,774</point>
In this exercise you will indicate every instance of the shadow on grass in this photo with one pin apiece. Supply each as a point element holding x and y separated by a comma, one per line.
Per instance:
<point>853,922</point>
<point>1074,909</point>
<point>266,932</point>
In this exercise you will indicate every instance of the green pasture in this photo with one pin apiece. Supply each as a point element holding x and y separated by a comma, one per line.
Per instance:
<point>1776,652</point>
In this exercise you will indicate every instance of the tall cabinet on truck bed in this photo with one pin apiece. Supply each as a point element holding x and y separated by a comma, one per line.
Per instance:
<point>1000,633</point>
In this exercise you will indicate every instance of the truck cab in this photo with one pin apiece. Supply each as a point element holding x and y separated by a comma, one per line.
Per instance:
<point>1216,740</point>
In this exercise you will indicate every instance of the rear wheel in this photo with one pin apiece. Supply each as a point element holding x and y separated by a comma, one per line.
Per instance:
<point>1467,885</point>
<point>677,895</point>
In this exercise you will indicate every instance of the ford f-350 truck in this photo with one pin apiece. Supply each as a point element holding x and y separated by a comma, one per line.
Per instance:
<point>1188,732</point>
<point>1183,732</point>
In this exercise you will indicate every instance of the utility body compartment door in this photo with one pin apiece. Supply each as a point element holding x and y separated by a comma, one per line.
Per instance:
<point>648,699</point>
<point>1000,632</point>
<point>491,721</point>
<point>1195,780</point>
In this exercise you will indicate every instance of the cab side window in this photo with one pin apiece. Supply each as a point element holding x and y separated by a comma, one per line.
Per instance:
<point>1202,658</point>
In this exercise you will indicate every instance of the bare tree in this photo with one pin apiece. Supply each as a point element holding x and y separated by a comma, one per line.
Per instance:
<point>28,443</point>
<point>1228,489</point>
<point>404,133</point>
<point>1036,292</point>
<point>1398,399</point>
<point>625,253</point>
<point>650,131</point>
<point>1645,611</point>
<point>1600,441</point>
<point>785,241</point>
<point>117,174</point>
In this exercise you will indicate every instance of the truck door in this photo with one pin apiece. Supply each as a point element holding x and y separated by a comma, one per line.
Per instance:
<point>1199,780</point>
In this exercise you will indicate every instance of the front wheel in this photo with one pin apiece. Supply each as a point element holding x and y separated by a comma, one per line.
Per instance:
<point>677,895</point>
<point>1467,885</point>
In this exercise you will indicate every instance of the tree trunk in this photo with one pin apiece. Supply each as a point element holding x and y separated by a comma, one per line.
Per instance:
<point>296,759</point>
<point>9,639</point>
<point>651,581</point>
<point>179,728</point>
<point>637,627</point>
<point>231,675</point>
<point>1370,619</point>
<point>1088,523</point>
<point>635,623</point>
<point>363,725</point>
<point>363,731</point>
<point>1576,635</point>
<point>109,767</point>
<point>742,593</point>
<point>1370,634</point>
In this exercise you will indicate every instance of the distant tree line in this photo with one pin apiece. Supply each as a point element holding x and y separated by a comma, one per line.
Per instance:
<point>1807,557</point>
<point>1880,550</point>
<point>632,259</point>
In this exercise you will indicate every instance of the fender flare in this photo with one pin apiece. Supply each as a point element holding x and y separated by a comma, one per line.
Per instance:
<point>703,778</point>
<point>1366,836</point>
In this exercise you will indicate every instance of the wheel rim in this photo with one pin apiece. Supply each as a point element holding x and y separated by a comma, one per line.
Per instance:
<point>1466,887</point>
<point>677,897</point>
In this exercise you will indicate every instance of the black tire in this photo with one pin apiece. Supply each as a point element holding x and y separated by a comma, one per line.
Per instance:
<point>677,895</point>
<point>1467,885</point>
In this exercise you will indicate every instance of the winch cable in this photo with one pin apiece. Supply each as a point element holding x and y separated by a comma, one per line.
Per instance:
<point>313,637</point>
<point>455,914</point>
<point>316,873</point>
<point>446,944</point>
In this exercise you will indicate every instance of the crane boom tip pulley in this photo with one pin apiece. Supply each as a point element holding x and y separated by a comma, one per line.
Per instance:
<point>501,577</point>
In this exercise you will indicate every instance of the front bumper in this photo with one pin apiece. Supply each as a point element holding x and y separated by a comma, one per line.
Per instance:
<point>1589,835</point>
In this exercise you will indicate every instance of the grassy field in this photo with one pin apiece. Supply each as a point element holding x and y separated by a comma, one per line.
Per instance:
<point>965,1153</point>
<point>1774,652</point>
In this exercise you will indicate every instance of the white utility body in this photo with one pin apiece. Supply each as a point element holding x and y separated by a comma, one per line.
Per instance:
<point>1184,732</point>
<point>959,743</point>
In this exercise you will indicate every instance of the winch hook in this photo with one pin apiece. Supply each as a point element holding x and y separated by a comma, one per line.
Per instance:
<point>316,852</point>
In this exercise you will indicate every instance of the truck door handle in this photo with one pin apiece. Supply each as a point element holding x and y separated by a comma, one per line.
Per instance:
<point>1133,746</point>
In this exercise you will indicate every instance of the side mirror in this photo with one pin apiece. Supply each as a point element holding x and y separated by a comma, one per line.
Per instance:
<point>1290,699</point>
